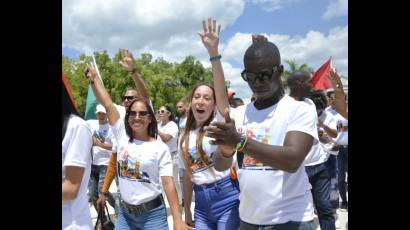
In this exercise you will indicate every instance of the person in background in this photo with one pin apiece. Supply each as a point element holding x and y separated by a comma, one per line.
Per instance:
<point>76,164</point>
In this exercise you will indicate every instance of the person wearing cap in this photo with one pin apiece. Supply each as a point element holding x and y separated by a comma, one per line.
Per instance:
<point>102,146</point>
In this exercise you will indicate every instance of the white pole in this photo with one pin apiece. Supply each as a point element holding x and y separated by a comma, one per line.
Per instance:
<point>96,68</point>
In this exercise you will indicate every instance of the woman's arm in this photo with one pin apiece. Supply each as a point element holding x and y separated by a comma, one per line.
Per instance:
<point>188,199</point>
<point>340,102</point>
<point>128,65</point>
<point>210,39</point>
<point>102,95</point>
<point>171,192</point>
<point>72,182</point>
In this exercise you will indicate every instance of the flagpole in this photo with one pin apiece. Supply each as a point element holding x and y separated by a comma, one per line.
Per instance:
<point>96,68</point>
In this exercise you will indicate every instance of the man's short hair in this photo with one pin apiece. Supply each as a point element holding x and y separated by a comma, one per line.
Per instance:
<point>263,49</point>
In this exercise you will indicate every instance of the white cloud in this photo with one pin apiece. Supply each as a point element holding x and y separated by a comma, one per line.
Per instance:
<point>272,5</point>
<point>335,8</point>
<point>166,28</point>
<point>313,49</point>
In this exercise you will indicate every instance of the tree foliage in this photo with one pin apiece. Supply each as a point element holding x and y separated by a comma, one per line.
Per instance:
<point>166,82</point>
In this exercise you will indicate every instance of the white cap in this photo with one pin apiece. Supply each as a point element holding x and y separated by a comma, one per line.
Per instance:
<point>100,108</point>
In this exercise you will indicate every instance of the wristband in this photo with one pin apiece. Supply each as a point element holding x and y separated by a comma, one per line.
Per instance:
<point>215,58</point>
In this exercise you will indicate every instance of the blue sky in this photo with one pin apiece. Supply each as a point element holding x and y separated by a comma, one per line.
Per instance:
<point>168,29</point>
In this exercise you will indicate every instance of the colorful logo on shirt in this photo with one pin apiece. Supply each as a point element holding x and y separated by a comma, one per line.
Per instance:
<point>198,163</point>
<point>129,168</point>
<point>260,135</point>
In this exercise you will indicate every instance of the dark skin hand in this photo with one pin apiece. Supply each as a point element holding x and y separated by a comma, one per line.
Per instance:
<point>287,157</point>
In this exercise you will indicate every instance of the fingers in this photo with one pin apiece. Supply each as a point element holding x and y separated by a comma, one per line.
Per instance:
<point>204,25</point>
<point>217,142</point>
<point>209,25</point>
<point>226,115</point>
<point>219,30</point>
<point>215,135</point>
<point>214,26</point>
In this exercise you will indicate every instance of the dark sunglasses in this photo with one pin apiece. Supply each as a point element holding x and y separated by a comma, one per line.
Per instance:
<point>132,113</point>
<point>128,98</point>
<point>262,76</point>
<point>162,111</point>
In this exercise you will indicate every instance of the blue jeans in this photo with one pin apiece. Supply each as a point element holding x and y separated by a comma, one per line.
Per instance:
<point>342,167</point>
<point>319,178</point>
<point>155,219</point>
<point>95,184</point>
<point>217,205</point>
<point>291,225</point>
<point>331,165</point>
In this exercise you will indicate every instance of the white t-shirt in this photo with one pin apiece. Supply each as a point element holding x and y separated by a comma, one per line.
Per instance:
<point>182,122</point>
<point>342,132</point>
<point>121,110</point>
<point>101,156</point>
<point>271,196</point>
<point>317,154</point>
<point>140,164</point>
<point>170,128</point>
<point>76,151</point>
<point>203,171</point>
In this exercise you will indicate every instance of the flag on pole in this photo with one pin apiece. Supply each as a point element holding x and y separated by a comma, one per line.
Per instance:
<point>320,79</point>
<point>91,103</point>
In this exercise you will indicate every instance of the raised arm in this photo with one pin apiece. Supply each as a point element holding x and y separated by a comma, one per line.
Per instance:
<point>128,65</point>
<point>102,95</point>
<point>210,39</point>
<point>340,102</point>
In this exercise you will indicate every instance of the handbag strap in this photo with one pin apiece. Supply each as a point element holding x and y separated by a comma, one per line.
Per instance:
<point>108,214</point>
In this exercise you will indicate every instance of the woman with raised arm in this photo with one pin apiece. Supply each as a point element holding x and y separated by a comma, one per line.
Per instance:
<point>142,162</point>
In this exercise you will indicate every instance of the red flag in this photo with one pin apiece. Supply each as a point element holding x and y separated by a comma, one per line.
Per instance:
<point>68,88</point>
<point>320,79</point>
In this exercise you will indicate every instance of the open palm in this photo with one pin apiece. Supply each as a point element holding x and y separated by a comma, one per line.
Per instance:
<point>127,61</point>
<point>210,35</point>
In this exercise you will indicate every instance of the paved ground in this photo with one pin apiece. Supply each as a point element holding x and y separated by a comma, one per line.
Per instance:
<point>341,223</point>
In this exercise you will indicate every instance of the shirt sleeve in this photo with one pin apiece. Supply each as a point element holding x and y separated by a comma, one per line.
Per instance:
<point>304,119</point>
<point>164,160</point>
<point>118,130</point>
<point>79,149</point>
<point>172,129</point>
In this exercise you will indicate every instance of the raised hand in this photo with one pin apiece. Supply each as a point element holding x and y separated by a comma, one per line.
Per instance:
<point>90,72</point>
<point>210,36</point>
<point>335,79</point>
<point>127,61</point>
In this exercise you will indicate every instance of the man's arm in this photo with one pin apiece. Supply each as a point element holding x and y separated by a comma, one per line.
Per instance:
<point>72,182</point>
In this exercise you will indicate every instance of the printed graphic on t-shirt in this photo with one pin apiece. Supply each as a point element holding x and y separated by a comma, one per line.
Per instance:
<point>129,168</point>
<point>101,134</point>
<point>261,135</point>
<point>342,126</point>
<point>197,162</point>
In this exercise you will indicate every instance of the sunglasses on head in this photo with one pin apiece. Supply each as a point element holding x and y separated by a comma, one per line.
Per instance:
<point>262,76</point>
<point>133,113</point>
<point>128,98</point>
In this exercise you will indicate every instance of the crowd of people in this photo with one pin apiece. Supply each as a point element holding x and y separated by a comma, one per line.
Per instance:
<point>268,164</point>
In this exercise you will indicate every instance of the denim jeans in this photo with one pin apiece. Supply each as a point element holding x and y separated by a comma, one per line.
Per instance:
<point>95,185</point>
<point>155,219</point>
<point>217,205</point>
<point>331,165</point>
<point>291,225</point>
<point>319,178</point>
<point>342,165</point>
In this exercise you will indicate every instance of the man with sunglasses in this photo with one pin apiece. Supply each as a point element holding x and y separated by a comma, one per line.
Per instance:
<point>275,133</point>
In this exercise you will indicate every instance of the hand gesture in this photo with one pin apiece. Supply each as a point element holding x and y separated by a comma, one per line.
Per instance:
<point>90,72</point>
<point>258,38</point>
<point>96,141</point>
<point>335,79</point>
<point>210,36</point>
<point>188,219</point>
<point>101,201</point>
<point>225,135</point>
<point>127,61</point>
<point>180,225</point>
